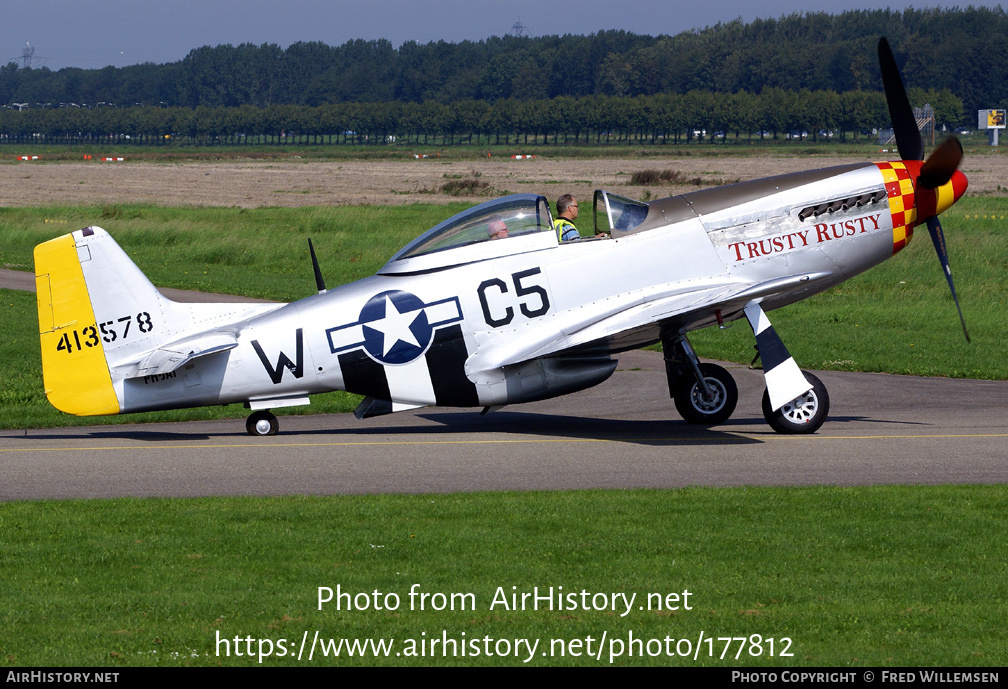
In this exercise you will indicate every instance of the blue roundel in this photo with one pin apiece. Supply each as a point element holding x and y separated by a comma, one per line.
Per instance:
<point>396,329</point>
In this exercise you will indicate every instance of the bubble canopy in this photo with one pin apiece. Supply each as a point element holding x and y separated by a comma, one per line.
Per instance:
<point>505,226</point>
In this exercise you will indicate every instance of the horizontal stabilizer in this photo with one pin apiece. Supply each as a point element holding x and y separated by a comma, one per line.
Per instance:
<point>175,355</point>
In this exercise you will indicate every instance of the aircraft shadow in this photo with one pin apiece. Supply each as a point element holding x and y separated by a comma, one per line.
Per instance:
<point>643,432</point>
<point>653,432</point>
<point>869,419</point>
<point>661,432</point>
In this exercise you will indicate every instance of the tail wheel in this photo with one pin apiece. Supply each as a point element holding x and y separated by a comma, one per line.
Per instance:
<point>694,407</point>
<point>262,423</point>
<point>804,414</point>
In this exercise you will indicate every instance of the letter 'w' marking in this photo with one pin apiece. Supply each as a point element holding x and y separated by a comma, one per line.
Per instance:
<point>283,362</point>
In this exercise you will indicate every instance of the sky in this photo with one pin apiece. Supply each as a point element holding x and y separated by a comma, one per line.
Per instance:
<point>95,33</point>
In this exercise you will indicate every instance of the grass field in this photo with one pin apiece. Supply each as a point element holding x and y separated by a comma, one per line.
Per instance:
<point>884,576</point>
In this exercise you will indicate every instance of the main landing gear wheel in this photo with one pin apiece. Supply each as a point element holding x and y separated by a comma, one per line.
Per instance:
<point>804,414</point>
<point>262,423</point>
<point>695,408</point>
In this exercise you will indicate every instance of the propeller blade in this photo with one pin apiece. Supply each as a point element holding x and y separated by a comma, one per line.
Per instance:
<point>908,138</point>
<point>941,165</point>
<point>938,238</point>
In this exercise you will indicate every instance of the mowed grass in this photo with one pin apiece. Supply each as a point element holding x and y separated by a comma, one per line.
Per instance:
<point>880,576</point>
<point>896,318</point>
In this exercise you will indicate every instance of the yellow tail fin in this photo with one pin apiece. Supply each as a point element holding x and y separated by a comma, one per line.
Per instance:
<point>74,368</point>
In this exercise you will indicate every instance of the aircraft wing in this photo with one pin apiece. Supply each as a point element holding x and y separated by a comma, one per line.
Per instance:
<point>630,320</point>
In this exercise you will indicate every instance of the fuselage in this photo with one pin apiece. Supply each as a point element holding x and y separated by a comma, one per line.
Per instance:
<point>537,317</point>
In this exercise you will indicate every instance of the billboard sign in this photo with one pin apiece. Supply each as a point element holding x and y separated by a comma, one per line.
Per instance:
<point>991,119</point>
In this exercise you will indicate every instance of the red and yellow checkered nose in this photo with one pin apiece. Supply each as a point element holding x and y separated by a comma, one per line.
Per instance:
<point>911,204</point>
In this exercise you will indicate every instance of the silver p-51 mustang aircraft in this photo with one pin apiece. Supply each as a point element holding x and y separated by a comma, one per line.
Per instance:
<point>466,315</point>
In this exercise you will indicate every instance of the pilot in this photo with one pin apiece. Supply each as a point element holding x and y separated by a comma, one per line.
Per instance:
<point>567,212</point>
<point>497,230</point>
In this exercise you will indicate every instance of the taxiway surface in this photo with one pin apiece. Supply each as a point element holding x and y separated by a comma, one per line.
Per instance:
<point>624,433</point>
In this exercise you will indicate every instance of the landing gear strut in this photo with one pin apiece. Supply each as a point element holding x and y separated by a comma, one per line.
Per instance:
<point>799,410</point>
<point>262,422</point>
<point>704,393</point>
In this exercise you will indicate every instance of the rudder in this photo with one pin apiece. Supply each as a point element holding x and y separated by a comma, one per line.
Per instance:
<point>74,367</point>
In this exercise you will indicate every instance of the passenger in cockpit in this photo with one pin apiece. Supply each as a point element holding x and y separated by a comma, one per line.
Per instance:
<point>497,229</point>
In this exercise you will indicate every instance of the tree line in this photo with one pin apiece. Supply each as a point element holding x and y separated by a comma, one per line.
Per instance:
<point>959,51</point>
<point>660,118</point>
